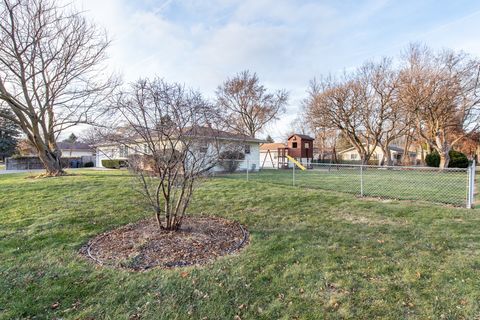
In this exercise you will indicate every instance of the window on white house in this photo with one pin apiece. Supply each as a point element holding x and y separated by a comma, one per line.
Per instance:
<point>247,149</point>
<point>145,148</point>
<point>374,156</point>
<point>123,151</point>
<point>353,156</point>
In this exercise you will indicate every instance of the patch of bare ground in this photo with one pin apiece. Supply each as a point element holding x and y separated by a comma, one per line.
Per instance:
<point>142,245</point>
<point>369,220</point>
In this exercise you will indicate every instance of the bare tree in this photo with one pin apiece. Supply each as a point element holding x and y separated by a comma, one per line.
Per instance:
<point>24,148</point>
<point>93,135</point>
<point>384,117</point>
<point>247,105</point>
<point>51,73</point>
<point>409,139</point>
<point>326,142</point>
<point>441,90</point>
<point>169,132</point>
<point>324,132</point>
<point>297,125</point>
<point>343,104</point>
<point>470,144</point>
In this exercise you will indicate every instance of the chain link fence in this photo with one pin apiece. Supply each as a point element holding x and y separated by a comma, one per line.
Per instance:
<point>454,186</point>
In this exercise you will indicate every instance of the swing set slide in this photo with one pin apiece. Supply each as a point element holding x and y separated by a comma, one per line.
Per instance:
<point>296,162</point>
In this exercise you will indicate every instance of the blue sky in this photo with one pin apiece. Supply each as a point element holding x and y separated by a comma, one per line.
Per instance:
<point>201,43</point>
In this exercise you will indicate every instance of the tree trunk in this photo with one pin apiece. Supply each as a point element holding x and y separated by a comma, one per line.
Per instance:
<point>387,159</point>
<point>444,159</point>
<point>51,161</point>
<point>158,218</point>
<point>443,148</point>
<point>364,159</point>
<point>406,160</point>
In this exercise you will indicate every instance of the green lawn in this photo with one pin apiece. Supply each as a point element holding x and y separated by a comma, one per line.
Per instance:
<point>425,185</point>
<point>313,254</point>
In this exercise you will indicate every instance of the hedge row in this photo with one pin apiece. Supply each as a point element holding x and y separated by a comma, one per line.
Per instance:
<point>114,163</point>
<point>457,159</point>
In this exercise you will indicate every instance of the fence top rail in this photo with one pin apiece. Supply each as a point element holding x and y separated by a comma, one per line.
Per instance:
<point>347,165</point>
<point>389,167</point>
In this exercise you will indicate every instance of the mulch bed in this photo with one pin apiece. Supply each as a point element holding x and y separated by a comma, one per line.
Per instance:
<point>142,245</point>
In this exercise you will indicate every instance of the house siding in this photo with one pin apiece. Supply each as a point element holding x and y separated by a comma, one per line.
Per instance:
<point>268,160</point>
<point>377,155</point>
<point>113,152</point>
<point>77,153</point>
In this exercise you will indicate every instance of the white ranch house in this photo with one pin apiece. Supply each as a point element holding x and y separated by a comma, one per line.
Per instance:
<point>75,149</point>
<point>249,146</point>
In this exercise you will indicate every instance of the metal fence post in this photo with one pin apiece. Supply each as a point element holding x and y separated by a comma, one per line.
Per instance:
<point>471,185</point>
<point>473,182</point>
<point>361,180</point>
<point>248,167</point>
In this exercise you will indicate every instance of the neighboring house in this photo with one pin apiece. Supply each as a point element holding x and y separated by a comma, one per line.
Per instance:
<point>327,155</point>
<point>74,155</point>
<point>206,138</point>
<point>269,154</point>
<point>298,146</point>
<point>75,149</point>
<point>396,154</point>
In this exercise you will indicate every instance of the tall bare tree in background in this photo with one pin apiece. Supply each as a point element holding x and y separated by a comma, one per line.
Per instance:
<point>172,142</point>
<point>51,74</point>
<point>470,145</point>
<point>432,98</point>
<point>326,143</point>
<point>441,90</point>
<point>343,105</point>
<point>247,106</point>
<point>384,116</point>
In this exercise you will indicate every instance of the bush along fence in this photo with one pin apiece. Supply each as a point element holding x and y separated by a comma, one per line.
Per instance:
<point>453,186</point>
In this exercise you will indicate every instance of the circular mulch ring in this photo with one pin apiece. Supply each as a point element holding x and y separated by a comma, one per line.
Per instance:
<point>142,245</point>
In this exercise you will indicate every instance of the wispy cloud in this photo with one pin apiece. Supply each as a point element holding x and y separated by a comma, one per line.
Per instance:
<point>287,43</point>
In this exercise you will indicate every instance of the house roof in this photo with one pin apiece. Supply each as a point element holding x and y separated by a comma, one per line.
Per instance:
<point>272,146</point>
<point>391,148</point>
<point>73,146</point>
<point>302,136</point>
<point>206,132</point>
<point>395,148</point>
<point>202,132</point>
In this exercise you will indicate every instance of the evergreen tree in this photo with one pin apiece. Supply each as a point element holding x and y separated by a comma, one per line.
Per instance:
<point>9,134</point>
<point>72,138</point>
<point>269,139</point>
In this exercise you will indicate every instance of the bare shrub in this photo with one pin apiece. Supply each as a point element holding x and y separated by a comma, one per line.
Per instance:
<point>169,133</point>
